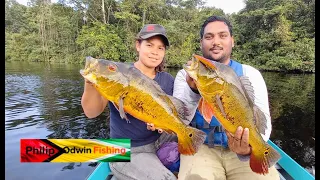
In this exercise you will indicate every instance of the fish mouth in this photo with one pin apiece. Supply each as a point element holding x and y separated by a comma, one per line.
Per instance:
<point>90,67</point>
<point>91,77</point>
<point>84,72</point>
<point>192,68</point>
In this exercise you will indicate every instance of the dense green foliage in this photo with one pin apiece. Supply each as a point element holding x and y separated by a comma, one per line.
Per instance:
<point>269,34</point>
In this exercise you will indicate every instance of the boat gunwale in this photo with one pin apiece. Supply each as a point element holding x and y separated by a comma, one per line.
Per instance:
<point>292,169</point>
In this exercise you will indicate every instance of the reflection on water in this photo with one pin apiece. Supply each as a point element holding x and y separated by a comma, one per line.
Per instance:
<point>43,101</point>
<point>292,106</point>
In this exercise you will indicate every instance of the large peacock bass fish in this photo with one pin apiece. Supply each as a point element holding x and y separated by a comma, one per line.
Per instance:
<point>230,99</point>
<point>140,96</point>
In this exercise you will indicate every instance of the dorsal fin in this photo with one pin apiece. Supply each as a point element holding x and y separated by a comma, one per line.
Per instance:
<point>259,117</point>
<point>247,88</point>
<point>144,80</point>
<point>260,120</point>
<point>180,107</point>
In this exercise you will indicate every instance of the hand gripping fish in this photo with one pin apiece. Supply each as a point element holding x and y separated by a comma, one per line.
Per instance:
<point>230,99</point>
<point>134,93</point>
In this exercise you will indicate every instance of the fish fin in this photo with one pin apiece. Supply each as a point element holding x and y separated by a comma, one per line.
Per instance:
<point>190,141</point>
<point>248,89</point>
<point>181,108</point>
<point>218,100</point>
<point>116,106</point>
<point>260,120</point>
<point>206,110</point>
<point>260,161</point>
<point>259,117</point>
<point>169,131</point>
<point>121,110</point>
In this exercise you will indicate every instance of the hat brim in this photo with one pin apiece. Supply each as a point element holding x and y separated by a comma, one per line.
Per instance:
<point>147,36</point>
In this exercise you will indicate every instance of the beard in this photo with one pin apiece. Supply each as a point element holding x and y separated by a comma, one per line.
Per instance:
<point>221,58</point>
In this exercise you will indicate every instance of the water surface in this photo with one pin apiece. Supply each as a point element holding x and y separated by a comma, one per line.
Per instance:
<point>44,101</point>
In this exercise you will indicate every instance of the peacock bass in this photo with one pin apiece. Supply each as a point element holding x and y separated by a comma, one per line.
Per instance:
<point>230,99</point>
<point>134,93</point>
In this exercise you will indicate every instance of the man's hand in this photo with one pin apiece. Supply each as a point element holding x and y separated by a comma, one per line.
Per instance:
<point>239,143</point>
<point>190,81</point>
<point>151,127</point>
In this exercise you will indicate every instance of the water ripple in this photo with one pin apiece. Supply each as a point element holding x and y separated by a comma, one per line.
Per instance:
<point>44,101</point>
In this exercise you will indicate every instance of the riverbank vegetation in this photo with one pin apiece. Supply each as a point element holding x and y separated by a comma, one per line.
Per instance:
<point>275,35</point>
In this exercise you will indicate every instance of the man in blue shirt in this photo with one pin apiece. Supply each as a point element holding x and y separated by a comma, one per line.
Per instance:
<point>223,156</point>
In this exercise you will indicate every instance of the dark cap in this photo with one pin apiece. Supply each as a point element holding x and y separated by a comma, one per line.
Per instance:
<point>151,30</point>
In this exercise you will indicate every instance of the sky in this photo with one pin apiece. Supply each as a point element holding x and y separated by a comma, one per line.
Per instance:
<point>228,6</point>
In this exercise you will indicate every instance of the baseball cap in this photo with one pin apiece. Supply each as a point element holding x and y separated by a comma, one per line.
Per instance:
<point>151,30</point>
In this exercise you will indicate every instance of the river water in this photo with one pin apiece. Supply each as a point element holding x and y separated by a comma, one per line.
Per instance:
<point>43,101</point>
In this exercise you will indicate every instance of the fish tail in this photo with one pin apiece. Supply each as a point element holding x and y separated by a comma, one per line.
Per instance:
<point>190,141</point>
<point>262,159</point>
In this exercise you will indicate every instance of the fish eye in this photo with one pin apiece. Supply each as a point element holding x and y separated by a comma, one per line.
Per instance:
<point>112,67</point>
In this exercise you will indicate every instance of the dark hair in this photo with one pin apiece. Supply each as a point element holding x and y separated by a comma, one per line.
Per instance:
<point>161,66</point>
<point>213,19</point>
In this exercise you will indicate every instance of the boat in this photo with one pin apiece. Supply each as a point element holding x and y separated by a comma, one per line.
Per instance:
<point>287,167</point>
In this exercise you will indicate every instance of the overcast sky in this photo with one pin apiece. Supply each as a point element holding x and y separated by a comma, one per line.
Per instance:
<point>228,6</point>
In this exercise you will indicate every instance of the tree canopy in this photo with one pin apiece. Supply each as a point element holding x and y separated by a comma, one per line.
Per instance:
<point>274,35</point>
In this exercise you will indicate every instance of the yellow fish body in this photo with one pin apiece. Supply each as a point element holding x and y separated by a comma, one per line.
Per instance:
<point>230,99</point>
<point>136,94</point>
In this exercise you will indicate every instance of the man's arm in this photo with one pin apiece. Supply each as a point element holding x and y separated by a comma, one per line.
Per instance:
<point>182,91</point>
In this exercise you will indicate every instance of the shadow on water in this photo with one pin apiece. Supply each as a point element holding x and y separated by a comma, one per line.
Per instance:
<point>44,101</point>
<point>70,166</point>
